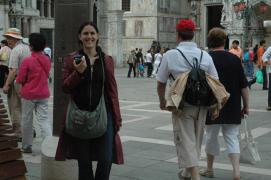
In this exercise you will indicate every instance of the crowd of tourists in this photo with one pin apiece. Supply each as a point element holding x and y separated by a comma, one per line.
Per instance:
<point>145,65</point>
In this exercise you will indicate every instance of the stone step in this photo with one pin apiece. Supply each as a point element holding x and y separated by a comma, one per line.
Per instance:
<point>10,155</point>
<point>12,169</point>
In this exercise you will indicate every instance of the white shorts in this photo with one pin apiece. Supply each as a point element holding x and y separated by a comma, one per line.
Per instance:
<point>230,133</point>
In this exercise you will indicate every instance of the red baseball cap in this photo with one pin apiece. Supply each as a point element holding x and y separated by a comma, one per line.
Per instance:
<point>186,25</point>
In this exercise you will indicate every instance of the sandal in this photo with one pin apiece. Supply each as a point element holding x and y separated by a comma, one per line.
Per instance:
<point>206,173</point>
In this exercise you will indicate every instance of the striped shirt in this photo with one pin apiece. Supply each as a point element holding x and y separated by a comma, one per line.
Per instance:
<point>18,53</point>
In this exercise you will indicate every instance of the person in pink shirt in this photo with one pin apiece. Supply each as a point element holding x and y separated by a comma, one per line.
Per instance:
<point>33,76</point>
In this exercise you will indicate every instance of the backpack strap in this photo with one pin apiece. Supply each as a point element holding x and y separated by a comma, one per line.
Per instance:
<point>198,65</point>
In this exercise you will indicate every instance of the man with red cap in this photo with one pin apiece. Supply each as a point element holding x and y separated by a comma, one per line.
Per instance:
<point>188,123</point>
<point>18,53</point>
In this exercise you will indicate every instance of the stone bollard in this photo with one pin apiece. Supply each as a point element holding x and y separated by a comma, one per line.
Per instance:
<point>56,170</point>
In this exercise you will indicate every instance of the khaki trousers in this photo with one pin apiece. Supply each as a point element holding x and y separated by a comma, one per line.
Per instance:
<point>14,106</point>
<point>188,129</point>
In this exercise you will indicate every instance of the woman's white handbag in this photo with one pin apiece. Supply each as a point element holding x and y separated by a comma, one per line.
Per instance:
<point>248,147</point>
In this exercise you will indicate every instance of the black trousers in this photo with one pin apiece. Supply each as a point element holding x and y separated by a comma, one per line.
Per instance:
<point>3,74</point>
<point>131,67</point>
<point>269,91</point>
<point>264,77</point>
<point>150,68</point>
<point>103,153</point>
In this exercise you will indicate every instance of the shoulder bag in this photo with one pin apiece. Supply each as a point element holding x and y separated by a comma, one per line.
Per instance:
<point>85,124</point>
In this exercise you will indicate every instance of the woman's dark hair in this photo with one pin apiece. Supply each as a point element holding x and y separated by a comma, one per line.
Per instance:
<point>216,38</point>
<point>5,42</point>
<point>255,49</point>
<point>262,42</point>
<point>37,41</point>
<point>186,36</point>
<point>88,23</point>
<point>235,42</point>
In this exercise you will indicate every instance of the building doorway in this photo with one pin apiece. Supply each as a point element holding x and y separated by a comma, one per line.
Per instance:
<point>214,14</point>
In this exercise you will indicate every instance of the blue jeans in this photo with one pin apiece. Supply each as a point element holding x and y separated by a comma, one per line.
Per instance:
<point>103,149</point>
<point>249,69</point>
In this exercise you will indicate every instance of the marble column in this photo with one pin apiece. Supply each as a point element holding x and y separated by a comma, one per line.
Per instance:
<point>33,25</point>
<point>25,30</point>
<point>19,23</point>
<point>49,8</point>
<point>114,36</point>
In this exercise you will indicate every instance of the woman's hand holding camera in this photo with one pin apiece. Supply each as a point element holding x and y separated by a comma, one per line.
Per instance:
<point>80,67</point>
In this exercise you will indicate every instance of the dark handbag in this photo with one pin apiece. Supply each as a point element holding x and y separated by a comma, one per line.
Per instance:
<point>85,124</point>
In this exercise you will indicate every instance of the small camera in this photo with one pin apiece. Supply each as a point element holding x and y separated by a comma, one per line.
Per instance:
<point>77,59</point>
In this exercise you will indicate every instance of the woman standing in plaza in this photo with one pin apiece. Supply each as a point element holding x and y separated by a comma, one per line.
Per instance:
<point>84,81</point>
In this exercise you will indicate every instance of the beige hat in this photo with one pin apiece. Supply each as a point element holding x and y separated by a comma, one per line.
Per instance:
<point>14,33</point>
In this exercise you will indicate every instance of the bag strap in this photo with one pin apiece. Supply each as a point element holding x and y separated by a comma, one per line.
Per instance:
<point>197,64</point>
<point>103,72</point>
<point>47,74</point>
<point>248,133</point>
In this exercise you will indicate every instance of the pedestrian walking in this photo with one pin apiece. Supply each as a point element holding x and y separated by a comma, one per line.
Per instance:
<point>267,61</point>
<point>230,116</point>
<point>189,122</point>
<point>18,53</point>
<point>260,65</point>
<point>87,79</point>
<point>248,62</point>
<point>157,61</point>
<point>4,60</point>
<point>139,62</point>
<point>33,76</point>
<point>131,61</point>
<point>148,63</point>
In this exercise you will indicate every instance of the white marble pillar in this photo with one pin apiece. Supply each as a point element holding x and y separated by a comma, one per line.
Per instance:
<point>114,36</point>
<point>28,3</point>
<point>49,8</point>
<point>33,25</point>
<point>19,23</point>
<point>25,30</point>
<point>112,40</point>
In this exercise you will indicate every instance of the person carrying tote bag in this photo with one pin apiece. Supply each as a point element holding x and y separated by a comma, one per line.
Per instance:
<point>87,124</point>
<point>88,77</point>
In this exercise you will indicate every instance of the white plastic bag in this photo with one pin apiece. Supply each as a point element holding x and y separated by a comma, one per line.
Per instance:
<point>248,147</point>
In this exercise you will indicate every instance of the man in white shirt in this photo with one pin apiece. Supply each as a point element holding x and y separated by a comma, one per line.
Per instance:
<point>267,60</point>
<point>18,53</point>
<point>148,62</point>
<point>158,60</point>
<point>187,124</point>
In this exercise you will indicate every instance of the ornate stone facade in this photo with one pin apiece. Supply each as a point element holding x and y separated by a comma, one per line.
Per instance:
<point>245,26</point>
<point>29,16</point>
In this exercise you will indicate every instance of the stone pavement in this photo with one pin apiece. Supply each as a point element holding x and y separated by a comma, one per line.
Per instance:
<point>147,137</point>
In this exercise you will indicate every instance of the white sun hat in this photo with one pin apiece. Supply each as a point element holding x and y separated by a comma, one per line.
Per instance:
<point>14,33</point>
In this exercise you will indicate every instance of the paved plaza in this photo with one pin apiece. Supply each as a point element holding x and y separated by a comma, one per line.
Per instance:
<point>148,139</point>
